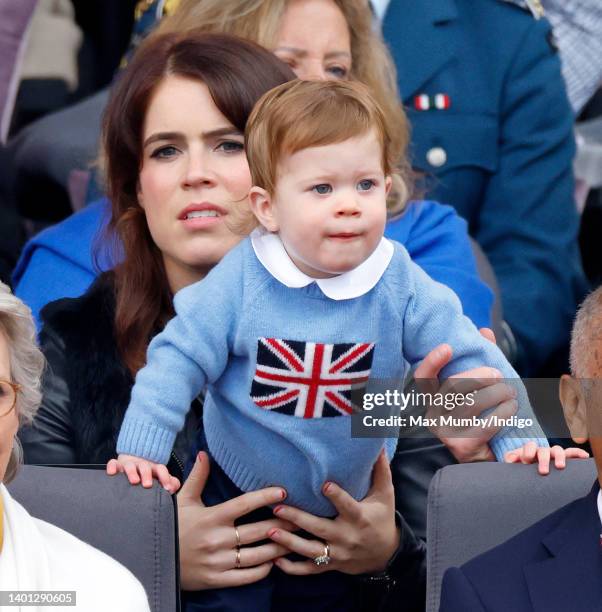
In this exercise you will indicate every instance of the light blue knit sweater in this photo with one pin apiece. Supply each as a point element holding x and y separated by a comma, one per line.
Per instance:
<point>227,335</point>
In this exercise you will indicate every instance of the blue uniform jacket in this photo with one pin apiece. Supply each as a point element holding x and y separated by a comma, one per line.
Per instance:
<point>59,262</point>
<point>553,566</point>
<point>502,152</point>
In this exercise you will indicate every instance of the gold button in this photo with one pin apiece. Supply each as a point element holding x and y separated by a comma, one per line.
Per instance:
<point>436,157</point>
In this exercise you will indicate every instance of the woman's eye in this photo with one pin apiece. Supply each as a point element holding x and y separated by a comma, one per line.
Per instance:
<point>164,152</point>
<point>322,189</point>
<point>365,185</point>
<point>230,146</point>
<point>338,72</point>
<point>289,61</point>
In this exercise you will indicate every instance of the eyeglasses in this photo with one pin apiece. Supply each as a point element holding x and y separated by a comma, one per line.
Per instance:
<point>8,396</point>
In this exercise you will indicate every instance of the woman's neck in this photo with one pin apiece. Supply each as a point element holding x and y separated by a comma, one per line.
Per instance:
<point>180,276</point>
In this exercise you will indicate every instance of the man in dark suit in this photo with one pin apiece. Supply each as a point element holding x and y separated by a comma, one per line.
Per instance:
<point>556,564</point>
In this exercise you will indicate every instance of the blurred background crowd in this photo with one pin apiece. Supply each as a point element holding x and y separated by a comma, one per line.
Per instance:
<point>501,152</point>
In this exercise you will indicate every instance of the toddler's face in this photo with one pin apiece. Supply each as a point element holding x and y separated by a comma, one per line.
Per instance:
<point>329,205</point>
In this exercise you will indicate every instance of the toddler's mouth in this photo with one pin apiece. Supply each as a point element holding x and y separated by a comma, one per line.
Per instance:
<point>344,235</point>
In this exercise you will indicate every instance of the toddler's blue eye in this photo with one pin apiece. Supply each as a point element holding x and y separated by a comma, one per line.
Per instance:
<point>322,189</point>
<point>365,185</point>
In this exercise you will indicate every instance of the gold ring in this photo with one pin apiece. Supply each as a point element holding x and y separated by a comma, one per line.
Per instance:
<point>237,564</point>
<point>237,536</point>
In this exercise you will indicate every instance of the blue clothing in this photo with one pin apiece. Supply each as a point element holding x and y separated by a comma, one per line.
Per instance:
<point>502,152</point>
<point>554,565</point>
<point>59,262</point>
<point>239,329</point>
<point>277,592</point>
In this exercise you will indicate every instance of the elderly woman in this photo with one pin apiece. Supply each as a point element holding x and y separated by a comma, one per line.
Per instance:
<point>34,555</point>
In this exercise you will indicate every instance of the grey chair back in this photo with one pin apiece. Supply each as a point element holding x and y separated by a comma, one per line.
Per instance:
<point>476,506</point>
<point>135,526</point>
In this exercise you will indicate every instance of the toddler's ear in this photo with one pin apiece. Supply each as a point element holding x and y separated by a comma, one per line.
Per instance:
<point>263,208</point>
<point>388,184</point>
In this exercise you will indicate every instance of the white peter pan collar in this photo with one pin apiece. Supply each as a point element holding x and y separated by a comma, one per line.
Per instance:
<point>273,256</point>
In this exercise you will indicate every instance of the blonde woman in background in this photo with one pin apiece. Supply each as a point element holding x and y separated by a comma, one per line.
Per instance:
<point>35,555</point>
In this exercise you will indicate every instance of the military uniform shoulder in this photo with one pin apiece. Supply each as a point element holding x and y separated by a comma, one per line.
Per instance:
<point>533,6</point>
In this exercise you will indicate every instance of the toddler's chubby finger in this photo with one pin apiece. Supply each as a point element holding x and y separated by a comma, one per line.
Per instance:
<point>165,479</point>
<point>113,467</point>
<point>146,474</point>
<point>543,460</point>
<point>174,486</point>
<point>131,471</point>
<point>529,454</point>
<point>513,456</point>
<point>576,453</point>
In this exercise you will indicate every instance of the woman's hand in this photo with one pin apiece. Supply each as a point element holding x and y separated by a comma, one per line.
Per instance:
<point>142,471</point>
<point>208,541</point>
<point>362,538</point>
<point>473,444</point>
<point>531,453</point>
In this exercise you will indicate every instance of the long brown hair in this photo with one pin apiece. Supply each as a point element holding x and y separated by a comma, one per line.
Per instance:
<point>237,73</point>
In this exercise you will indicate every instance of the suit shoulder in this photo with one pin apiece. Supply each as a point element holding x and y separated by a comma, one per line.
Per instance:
<point>525,545</point>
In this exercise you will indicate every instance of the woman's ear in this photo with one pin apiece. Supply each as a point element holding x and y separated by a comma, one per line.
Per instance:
<point>263,208</point>
<point>575,408</point>
<point>139,195</point>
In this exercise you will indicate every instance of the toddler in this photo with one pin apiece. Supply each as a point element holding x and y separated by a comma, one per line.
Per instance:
<point>314,303</point>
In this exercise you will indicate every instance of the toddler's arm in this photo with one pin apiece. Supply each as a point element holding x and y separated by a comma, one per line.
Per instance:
<point>434,315</point>
<point>191,351</point>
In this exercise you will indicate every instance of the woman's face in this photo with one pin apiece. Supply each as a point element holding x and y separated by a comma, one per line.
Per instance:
<point>194,176</point>
<point>314,40</point>
<point>9,423</point>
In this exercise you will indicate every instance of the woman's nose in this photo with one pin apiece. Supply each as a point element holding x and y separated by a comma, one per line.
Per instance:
<point>198,171</point>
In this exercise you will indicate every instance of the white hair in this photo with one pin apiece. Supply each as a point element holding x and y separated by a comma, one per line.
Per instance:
<point>587,332</point>
<point>26,363</point>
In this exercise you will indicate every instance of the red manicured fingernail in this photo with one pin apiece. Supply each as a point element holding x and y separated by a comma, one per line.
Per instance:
<point>283,494</point>
<point>327,487</point>
<point>273,533</point>
<point>277,509</point>
<point>199,456</point>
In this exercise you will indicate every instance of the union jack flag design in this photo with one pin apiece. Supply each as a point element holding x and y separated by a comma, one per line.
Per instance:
<point>310,380</point>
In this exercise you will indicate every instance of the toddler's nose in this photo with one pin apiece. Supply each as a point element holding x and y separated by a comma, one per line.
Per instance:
<point>348,208</point>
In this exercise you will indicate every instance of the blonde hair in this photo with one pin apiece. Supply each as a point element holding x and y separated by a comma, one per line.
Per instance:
<point>372,65</point>
<point>26,363</point>
<point>302,114</point>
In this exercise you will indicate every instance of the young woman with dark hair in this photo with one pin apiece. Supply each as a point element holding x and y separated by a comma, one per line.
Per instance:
<point>178,177</point>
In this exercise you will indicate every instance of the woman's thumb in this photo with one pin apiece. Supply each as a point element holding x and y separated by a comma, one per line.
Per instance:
<point>195,483</point>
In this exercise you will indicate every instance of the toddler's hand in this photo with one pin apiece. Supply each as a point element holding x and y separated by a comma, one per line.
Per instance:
<point>140,470</point>
<point>531,453</point>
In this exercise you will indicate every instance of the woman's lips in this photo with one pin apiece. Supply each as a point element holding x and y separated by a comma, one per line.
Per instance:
<point>196,216</point>
<point>201,222</point>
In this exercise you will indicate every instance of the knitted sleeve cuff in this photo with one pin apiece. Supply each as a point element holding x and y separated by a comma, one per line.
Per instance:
<point>145,440</point>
